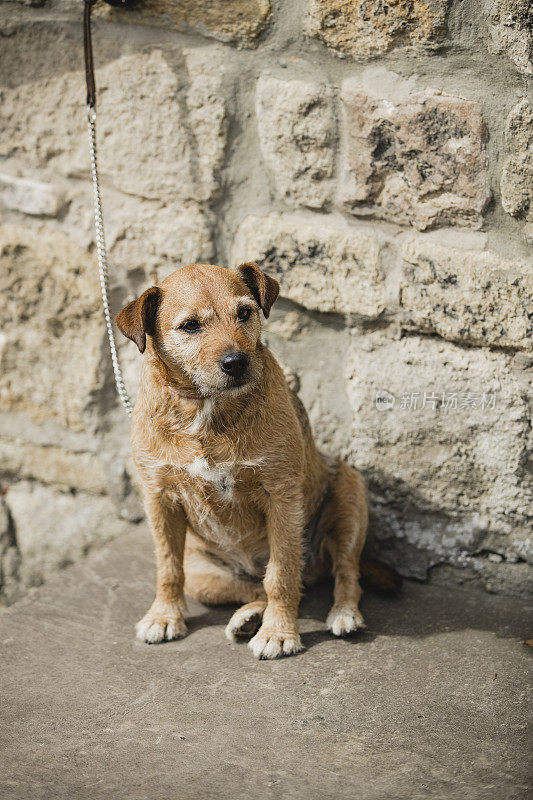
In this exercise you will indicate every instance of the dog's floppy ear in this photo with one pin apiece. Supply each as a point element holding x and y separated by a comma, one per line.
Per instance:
<point>138,317</point>
<point>264,289</point>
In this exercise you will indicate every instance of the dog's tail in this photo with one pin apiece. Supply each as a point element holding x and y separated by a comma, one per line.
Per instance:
<point>376,575</point>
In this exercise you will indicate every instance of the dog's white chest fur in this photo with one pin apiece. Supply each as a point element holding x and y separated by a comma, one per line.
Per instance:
<point>220,475</point>
<point>205,519</point>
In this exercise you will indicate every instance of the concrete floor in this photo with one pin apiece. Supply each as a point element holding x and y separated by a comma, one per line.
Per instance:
<point>430,703</point>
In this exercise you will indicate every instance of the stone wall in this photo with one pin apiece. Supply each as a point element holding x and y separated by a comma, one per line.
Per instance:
<point>376,157</point>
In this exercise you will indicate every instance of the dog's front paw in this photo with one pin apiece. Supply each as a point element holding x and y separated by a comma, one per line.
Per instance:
<point>246,620</point>
<point>161,623</point>
<point>341,621</point>
<point>273,643</point>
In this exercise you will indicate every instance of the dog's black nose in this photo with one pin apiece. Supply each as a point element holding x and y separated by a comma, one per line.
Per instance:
<point>234,364</point>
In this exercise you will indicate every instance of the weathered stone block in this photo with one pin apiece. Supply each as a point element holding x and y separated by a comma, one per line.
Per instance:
<point>502,578</point>
<point>32,3</point>
<point>149,147</point>
<point>30,197</point>
<point>467,296</point>
<point>51,326</point>
<point>9,558</point>
<point>146,238</point>
<point>445,451</point>
<point>327,266</point>
<point>511,30</point>
<point>226,20</point>
<point>206,115</point>
<point>517,176</point>
<point>10,587</point>
<point>54,529</point>
<point>52,139</point>
<point>297,132</point>
<point>365,29</point>
<point>144,146</point>
<point>52,465</point>
<point>50,432</point>
<point>154,139</point>
<point>412,157</point>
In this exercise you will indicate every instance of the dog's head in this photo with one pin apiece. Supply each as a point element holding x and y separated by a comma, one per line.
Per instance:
<point>204,324</point>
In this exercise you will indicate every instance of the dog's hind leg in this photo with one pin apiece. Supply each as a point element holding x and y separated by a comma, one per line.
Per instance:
<point>345,540</point>
<point>211,583</point>
<point>246,621</point>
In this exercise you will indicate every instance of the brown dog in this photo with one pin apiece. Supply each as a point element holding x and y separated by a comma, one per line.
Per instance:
<point>243,507</point>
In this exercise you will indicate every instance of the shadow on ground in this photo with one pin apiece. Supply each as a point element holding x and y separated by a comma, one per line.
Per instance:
<point>417,611</point>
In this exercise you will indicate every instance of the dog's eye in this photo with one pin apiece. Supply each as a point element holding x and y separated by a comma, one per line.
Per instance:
<point>244,314</point>
<point>190,326</point>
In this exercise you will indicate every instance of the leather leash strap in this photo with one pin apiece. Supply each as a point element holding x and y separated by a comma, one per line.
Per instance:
<point>88,50</point>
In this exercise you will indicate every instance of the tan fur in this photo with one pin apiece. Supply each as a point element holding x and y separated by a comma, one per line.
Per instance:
<point>230,474</point>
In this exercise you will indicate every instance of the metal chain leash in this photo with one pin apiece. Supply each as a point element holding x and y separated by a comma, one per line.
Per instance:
<point>103,265</point>
<point>101,251</point>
